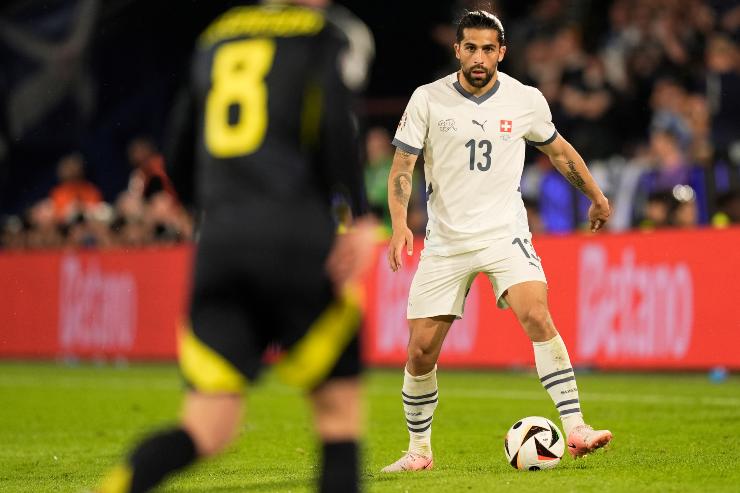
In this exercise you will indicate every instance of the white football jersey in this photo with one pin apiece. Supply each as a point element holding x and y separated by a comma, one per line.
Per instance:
<point>473,158</point>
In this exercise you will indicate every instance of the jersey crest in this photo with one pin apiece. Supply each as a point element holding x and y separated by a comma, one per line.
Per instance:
<point>447,125</point>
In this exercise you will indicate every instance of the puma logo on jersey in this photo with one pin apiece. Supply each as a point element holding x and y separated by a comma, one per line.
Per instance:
<point>480,124</point>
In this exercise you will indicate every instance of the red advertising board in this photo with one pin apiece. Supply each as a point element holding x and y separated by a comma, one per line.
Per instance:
<point>667,300</point>
<point>91,304</point>
<point>664,300</point>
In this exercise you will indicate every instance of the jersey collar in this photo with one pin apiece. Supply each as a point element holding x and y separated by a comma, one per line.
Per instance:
<point>476,99</point>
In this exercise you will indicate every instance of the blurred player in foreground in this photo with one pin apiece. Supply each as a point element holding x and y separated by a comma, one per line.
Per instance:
<point>274,141</point>
<point>472,127</point>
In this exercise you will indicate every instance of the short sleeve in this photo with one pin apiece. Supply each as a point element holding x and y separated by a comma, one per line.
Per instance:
<point>412,129</point>
<point>542,131</point>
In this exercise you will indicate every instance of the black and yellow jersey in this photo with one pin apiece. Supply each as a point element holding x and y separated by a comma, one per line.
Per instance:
<point>267,117</point>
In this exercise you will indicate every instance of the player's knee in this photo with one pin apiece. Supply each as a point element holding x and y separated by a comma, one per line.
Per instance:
<point>537,323</point>
<point>422,355</point>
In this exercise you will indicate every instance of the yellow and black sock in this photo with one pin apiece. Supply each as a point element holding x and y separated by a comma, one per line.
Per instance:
<point>154,458</point>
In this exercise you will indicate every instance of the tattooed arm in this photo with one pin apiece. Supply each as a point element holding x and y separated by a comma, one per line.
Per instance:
<point>571,165</point>
<point>399,193</point>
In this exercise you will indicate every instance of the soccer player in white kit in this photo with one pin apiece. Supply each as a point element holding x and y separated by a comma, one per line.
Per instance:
<point>472,127</point>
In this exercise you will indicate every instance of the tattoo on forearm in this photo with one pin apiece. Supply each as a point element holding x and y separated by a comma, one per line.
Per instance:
<point>400,152</point>
<point>574,177</point>
<point>402,187</point>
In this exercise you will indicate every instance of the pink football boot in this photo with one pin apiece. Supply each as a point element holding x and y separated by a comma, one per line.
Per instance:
<point>583,440</point>
<point>410,462</point>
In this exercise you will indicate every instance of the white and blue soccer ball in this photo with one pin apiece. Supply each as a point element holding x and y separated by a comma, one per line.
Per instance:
<point>534,443</point>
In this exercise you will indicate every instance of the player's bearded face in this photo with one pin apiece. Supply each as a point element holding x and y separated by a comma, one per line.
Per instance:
<point>478,75</point>
<point>479,53</point>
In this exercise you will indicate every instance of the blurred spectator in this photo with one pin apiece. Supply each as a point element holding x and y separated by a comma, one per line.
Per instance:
<point>567,47</point>
<point>74,194</point>
<point>696,113</point>
<point>43,229</point>
<point>99,220</point>
<point>656,211</point>
<point>667,102</point>
<point>542,70</point>
<point>129,227</point>
<point>723,91</point>
<point>588,104</point>
<point>730,15</point>
<point>541,22</point>
<point>620,39</point>
<point>626,176</point>
<point>12,234</point>
<point>129,206</point>
<point>669,169</point>
<point>168,221</point>
<point>92,229</point>
<point>378,166</point>
<point>684,211</point>
<point>685,214</point>
<point>728,205</point>
<point>676,208</point>
<point>149,175</point>
<point>130,232</point>
<point>78,233</point>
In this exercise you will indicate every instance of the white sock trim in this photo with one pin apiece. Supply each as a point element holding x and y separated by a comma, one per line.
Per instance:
<point>549,341</point>
<point>420,378</point>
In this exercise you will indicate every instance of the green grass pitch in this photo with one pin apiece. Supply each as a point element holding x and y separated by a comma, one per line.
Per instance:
<point>61,427</point>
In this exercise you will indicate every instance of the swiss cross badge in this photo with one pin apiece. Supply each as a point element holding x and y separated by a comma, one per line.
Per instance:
<point>506,126</point>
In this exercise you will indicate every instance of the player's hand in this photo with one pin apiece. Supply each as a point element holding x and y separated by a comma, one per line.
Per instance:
<point>352,252</point>
<point>598,213</point>
<point>402,239</point>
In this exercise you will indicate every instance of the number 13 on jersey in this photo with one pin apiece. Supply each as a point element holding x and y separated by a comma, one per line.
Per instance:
<point>236,105</point>
<point>486,147</point>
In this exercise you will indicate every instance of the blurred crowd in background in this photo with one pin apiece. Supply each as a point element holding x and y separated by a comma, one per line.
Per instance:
<point>74,214</point>
<point>648,91</point>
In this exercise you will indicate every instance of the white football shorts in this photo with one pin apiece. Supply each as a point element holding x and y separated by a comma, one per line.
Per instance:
<point>441,283</point>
